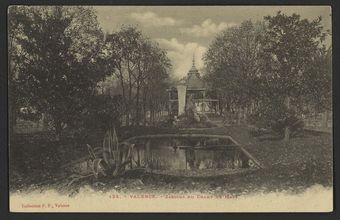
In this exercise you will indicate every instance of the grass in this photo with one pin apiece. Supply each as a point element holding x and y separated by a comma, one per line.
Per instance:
<point>291,166</point>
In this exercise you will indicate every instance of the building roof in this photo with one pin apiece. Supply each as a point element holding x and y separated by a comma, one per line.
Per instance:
<point>193,79</point>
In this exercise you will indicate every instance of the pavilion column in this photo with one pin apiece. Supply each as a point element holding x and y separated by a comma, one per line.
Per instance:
<point>203,102</point>
<point>169,103</point>
<point>181,91</point>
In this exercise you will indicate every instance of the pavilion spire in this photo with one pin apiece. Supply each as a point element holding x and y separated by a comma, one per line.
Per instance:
<point>193,60</point>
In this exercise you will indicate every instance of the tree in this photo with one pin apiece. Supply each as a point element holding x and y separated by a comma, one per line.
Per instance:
<point>136,62</point>
<point>318,79</point>
<point>152,81</point>
<point>17,96</point>
<point>61,59</point>
<point>122,47</point>
<point>233,65</point>
<point>293,52</point>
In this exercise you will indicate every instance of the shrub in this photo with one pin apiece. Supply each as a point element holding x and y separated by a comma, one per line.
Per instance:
<point>276,116</point>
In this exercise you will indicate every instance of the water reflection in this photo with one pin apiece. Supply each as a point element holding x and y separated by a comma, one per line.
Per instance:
<point>202,154</point>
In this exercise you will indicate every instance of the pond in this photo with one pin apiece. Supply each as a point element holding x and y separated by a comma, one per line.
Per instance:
<point>190,154</point>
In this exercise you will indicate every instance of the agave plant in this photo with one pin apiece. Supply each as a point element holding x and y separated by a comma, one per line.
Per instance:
<point>110,157</point>
<point>110,149</point>
<point>95,163</point>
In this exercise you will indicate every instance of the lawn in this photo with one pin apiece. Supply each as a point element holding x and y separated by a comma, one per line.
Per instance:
<point>291,167</point>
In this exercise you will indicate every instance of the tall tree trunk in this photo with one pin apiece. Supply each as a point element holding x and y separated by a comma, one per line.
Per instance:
<point>286,129</point>
<point>11,97</point>
<point>130,91</point>
<point>58,129</point>
<point>286,134</point>
<point>126,108</point>
<point>127,118</point>
<point>245,112</point>
<point>152,113</point>
<point>144,106</point>
<point>137,104</point>
<point>325,119</point>
<point>239,116</point>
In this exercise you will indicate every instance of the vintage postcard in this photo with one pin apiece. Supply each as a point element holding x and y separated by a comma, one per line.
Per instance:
<point>170,108</point>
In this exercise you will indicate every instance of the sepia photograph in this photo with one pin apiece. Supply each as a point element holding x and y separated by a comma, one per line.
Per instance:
<point>170,108</point>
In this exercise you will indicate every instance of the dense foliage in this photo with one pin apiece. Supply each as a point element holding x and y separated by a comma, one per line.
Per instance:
<point>60,60</point>
<point>60,63</point>
<point>233,65</point>
<point>275,71</point>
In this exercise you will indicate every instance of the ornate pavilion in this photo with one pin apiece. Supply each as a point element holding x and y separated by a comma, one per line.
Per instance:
<point>190,87</point>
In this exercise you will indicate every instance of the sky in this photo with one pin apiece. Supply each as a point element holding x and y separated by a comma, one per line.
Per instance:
<point>187,31</point>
